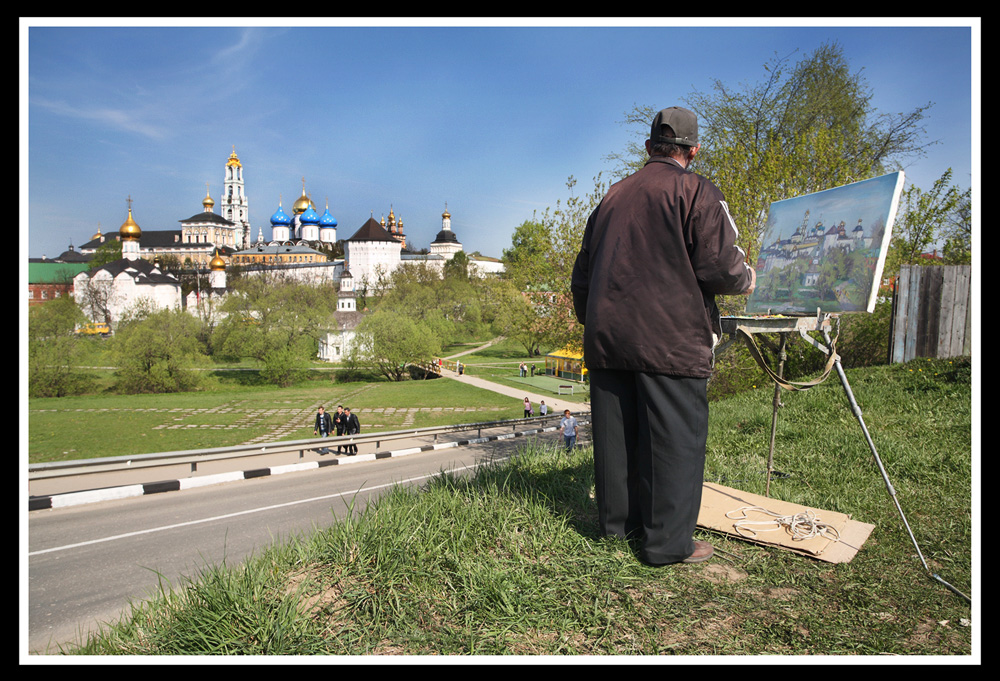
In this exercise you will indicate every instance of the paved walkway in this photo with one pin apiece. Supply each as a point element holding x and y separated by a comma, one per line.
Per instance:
<point>555,404</point>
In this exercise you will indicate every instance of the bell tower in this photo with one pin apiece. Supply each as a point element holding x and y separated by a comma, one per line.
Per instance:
<point>234,206</point>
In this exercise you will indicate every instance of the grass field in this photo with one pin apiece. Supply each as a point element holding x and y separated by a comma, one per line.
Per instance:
<point>509,562</point>
<point>109,425</point>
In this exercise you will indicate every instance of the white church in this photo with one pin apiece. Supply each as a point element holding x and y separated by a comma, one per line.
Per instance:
<point>105,293</point>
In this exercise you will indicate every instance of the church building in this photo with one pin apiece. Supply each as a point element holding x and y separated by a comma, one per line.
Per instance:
<point>202,234</point>
<point>105,293</point>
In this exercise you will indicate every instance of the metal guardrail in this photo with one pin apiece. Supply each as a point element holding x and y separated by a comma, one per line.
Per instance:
<point>194,457</point>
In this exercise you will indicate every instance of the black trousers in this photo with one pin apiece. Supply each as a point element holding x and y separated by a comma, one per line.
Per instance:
<point>649,434</point>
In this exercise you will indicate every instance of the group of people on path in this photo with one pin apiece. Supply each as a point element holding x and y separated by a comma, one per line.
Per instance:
<point>342,422</point>
<point>523,370</point>
<point>530,410</point>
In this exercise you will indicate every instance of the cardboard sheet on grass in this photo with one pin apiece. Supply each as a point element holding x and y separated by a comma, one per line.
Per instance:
<point>718,501</point>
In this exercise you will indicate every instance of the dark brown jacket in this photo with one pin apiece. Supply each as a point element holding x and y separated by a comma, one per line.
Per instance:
<point>657,250</point>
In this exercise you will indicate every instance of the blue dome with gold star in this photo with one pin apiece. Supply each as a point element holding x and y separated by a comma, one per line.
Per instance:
<point>280,217</point>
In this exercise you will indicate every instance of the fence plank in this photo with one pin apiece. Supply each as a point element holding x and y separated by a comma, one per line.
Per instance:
<point>932,312</point>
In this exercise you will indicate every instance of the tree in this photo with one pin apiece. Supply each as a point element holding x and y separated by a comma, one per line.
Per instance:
<point>516,315</point>
<point>567,222</point>
<point>275,321</point>
<point>155,351</point>
<point>941,213</point>
<point>526,262</point>
<point>457,267</point>
<point>389,341</point>
<point>535,305</point>
<point>957,232</point>
<point>97,296</point>
<point>109,251</point>
<point>923,215</point>
<point>53,347</point>
<point>807,126</point>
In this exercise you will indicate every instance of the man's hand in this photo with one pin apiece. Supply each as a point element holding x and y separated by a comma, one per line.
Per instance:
<point>753,281</point>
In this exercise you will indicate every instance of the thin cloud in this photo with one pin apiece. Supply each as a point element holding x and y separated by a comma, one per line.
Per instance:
<point>116,119</point>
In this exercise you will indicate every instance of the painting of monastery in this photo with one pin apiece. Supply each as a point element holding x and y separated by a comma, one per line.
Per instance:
<point>825,251</point>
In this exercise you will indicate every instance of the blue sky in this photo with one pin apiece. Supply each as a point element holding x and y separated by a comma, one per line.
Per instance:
<point>487,120</point>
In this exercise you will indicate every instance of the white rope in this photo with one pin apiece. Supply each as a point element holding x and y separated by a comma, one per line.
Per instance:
<point>804,525</point>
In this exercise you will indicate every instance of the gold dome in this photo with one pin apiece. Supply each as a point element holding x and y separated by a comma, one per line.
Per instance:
<point>302,204</point>
<point>233,161</point>
<point>208,202</point>
<point>129,228</point>
<point>217,263</point>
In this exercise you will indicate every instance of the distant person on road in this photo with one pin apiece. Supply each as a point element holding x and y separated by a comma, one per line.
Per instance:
<point>527,408</point>
<point>352,427</point>
<point>532,370</point>
<point>568,427</point>
<point>543,408</point>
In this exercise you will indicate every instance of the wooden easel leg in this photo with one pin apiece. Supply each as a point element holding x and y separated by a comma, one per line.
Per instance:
<point>774,414</point>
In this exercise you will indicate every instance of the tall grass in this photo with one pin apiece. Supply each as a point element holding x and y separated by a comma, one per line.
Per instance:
<point>508,561</point>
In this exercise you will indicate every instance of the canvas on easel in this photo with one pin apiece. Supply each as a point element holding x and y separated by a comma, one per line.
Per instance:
<point>826,251</point>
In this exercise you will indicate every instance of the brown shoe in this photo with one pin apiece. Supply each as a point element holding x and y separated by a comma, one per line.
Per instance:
<point>702,552</point>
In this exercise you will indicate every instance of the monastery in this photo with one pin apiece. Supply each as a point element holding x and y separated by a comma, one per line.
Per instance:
<point>300,246</point>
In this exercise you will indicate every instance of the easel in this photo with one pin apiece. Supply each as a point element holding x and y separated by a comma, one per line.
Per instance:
<point>744,328</point>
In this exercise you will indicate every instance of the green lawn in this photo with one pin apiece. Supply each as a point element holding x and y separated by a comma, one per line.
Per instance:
<point>114,425</point>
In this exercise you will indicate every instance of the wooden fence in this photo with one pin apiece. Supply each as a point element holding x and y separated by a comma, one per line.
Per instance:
<point>932,312</point>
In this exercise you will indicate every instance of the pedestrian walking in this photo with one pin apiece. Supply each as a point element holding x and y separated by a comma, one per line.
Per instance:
<point>323,426</point>
<point>340,423</point>
<point>352,427</point>
<point>568,426</point>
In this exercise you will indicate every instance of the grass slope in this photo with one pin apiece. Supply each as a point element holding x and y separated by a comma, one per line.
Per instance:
<point>508,562</point>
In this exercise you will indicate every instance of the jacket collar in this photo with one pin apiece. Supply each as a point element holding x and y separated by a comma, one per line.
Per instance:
<point>665,159</point>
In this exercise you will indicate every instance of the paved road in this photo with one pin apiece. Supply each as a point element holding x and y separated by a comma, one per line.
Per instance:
<point>87,563</point>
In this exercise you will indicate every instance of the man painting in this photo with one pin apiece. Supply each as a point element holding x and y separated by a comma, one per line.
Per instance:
<point>656,251</point>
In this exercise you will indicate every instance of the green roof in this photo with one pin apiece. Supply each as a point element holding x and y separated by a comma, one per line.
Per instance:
<point>54,272</point>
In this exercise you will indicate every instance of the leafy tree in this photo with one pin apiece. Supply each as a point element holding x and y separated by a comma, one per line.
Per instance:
<point>567,223</point>
<point>155,351</point>
<point>924,217</point>
<point>516,314</point>
<point>957,232</point>
<point>109,251</point>
<point>805,127</point>
<point>53,347</point>
<point>275,321</point>
<point>457,268</point>
<point>447,305</point>
<point>526,262</point>
<point>389,340</point>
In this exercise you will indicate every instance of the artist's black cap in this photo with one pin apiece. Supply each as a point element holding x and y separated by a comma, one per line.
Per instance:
<point>683,122</point>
